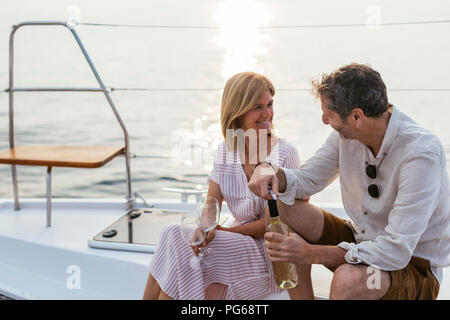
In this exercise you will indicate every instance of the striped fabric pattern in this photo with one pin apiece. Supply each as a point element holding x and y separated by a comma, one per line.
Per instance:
<point>238,267</point>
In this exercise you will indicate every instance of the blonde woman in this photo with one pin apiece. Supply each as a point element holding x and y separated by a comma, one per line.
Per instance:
<point>238,267</point>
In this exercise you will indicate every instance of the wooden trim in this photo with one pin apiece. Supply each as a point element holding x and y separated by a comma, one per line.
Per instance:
<point>61,156</point>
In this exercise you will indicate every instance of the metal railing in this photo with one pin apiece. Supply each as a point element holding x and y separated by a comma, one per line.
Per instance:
<point>11,89</point>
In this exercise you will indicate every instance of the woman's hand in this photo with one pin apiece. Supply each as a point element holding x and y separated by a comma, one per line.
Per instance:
<point>254,229</point>
<point>219,227</point>
<point>209,237</point>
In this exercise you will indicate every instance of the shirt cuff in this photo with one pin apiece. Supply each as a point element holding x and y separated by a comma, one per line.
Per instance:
<point>352,252</point>
<point>288,196</point>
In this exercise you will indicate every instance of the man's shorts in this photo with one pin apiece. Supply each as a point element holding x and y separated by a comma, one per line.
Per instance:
<point>414,282</point>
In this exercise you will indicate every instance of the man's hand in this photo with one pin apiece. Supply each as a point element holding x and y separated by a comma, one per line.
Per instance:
<point>263,178</point>
<point>283,248</point>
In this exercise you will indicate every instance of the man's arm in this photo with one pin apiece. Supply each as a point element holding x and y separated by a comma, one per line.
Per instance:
<point>281,180</point>
<point>330,256</point>
<point>318,172</point>
<point>266,176</point>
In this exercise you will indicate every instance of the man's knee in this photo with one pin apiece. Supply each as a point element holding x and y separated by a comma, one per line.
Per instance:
<point>359,282</point>
<point>303,218</point>
<point>287,213</point>
<point>347,282</point>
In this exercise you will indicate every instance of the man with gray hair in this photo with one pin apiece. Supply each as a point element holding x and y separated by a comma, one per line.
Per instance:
<point>395,189</point>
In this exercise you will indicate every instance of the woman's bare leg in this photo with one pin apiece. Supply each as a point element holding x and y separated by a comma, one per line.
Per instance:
<point>304,288</point>
<point>152,289</point>
<point>164,296</point>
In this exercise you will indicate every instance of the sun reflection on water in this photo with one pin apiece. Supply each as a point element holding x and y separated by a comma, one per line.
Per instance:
<point>243,43</point>
<point>240,35</point>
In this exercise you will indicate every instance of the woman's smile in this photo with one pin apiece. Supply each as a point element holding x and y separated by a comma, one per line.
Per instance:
<point>260,116</point>
<point>263,124</point>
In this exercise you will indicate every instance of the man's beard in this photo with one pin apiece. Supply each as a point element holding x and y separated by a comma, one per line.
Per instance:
<point>342,133</point>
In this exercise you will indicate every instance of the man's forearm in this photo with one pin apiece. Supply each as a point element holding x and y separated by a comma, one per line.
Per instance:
<point>330,256</point>
<point>281,180</point>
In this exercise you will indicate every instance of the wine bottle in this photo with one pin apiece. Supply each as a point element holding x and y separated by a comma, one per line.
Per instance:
<point>285,272</point>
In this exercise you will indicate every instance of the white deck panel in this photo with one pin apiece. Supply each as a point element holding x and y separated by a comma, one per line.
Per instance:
<point>42,255</point>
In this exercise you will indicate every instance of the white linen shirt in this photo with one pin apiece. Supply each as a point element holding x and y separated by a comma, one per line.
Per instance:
<point>411,217</point>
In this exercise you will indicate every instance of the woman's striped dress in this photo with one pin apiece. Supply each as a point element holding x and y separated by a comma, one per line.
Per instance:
<point>238,265</point>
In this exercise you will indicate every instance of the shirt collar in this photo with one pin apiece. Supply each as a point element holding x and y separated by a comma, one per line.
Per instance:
<point>390,135</point>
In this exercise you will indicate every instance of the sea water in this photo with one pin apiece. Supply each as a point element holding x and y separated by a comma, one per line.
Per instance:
<point>174,122</point>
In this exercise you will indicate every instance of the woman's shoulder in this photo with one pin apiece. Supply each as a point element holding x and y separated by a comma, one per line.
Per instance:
<point>286,154</point>
<point>286,147</point>
<point>222,150</point>
<point>225,159</point>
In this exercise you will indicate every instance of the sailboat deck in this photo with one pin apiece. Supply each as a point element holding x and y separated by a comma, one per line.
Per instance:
<point>39,262</point>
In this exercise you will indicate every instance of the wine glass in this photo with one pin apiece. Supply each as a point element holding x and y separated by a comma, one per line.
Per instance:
<point>193,234</point>
<point>209,212</point>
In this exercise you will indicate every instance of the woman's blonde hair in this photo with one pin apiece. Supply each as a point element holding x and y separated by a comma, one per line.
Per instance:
<point>240,94</point>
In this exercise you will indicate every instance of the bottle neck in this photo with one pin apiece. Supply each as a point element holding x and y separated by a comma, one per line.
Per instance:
<point>275,219</point>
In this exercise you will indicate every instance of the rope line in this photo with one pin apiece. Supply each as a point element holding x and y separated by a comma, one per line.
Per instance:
<point>279,89</point>
<point>358,24</point>
<point>401,23</point>
<point>144,26</point>
<point>138,156</point>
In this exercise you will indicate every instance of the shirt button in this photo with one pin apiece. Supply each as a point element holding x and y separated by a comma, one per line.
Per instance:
<point>363,231</point>
<point>365,213</point>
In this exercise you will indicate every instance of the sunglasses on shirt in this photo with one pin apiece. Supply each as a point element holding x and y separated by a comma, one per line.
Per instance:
<point>371,172</point>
